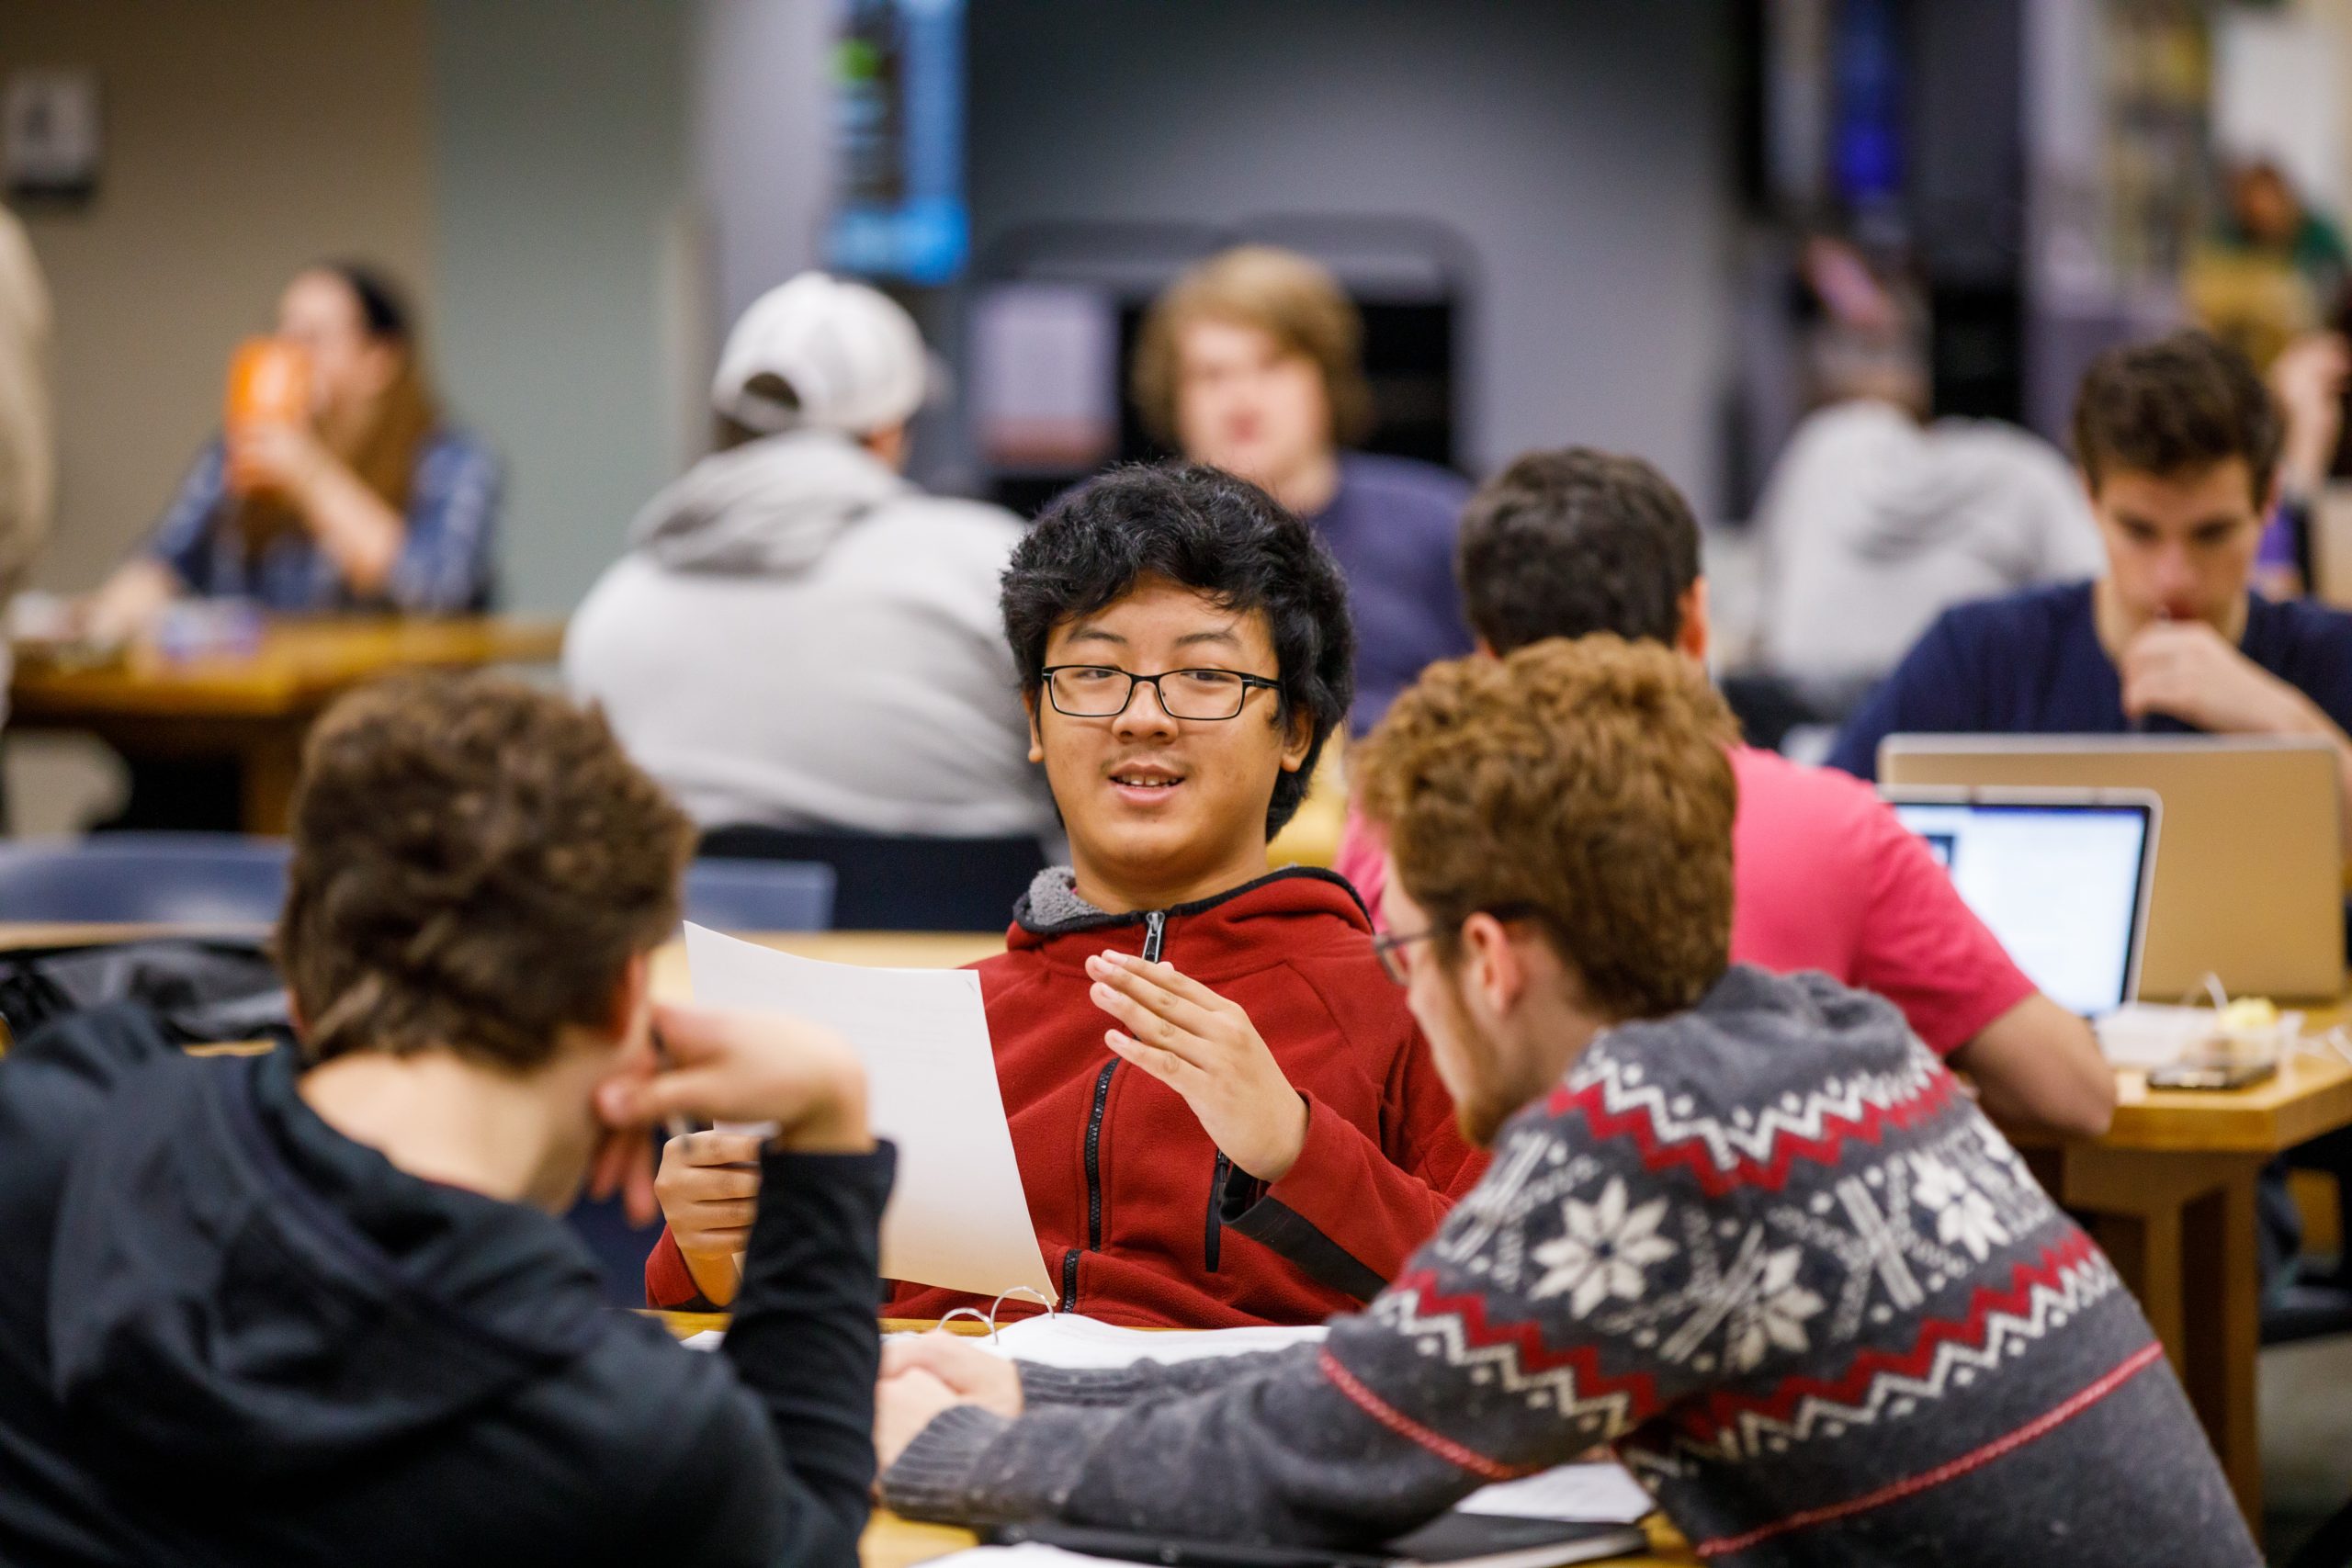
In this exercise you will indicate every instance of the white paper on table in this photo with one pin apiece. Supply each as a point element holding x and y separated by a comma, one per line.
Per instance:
<point>958,1217</point>
<point>1601,1493</point>
<point>1067,1339</point>
<point>1028,1555</point>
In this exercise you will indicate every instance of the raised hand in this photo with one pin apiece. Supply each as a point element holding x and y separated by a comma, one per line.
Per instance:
<point>1207,1049</point>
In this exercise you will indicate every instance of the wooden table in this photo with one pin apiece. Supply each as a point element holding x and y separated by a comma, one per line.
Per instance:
<point>256,708</point>
<point>880,950</point>
<point>892,1542</point>
<point>2168,1194</point>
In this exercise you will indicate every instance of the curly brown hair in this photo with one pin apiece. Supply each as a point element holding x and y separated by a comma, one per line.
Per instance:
<point>1291,298</point>
<point>1585,782</point>
<point>2174,407</point>
<point>475,863</point>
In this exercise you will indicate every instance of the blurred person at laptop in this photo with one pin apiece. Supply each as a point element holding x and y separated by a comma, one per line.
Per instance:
<point>320,1309</point>
<point>366,498</point>
<point>2178,444</point>
<point>1568,543</point>
<point>1252,362</point>
<point>1222,1113</point>
<point>1740,1228</point>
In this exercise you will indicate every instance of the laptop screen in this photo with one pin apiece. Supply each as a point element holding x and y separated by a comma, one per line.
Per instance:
<point>2060,885</point>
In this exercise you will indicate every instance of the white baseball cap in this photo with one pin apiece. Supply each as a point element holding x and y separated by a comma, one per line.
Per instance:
<point>821,354</point>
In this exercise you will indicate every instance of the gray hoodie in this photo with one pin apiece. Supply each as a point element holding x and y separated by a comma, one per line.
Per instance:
<point>800,637</point>
<point>1874,524</point>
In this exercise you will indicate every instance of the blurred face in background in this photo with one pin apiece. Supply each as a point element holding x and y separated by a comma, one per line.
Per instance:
<point>2180,546</point>
<point>349,369</point>
<point>1246,404</point>
<point>2265,207</point>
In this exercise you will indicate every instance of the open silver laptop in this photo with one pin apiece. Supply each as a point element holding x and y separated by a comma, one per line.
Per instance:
<point>2250,883</point>
<point>2063,876</point>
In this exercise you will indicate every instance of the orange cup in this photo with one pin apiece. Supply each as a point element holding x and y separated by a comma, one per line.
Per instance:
<point>269,383</point>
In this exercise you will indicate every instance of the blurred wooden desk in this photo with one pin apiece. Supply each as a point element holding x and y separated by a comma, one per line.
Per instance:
<point>2169,1195</point>
<point>880,950</point>
<point>256,708</point>
<point>893,1542</point>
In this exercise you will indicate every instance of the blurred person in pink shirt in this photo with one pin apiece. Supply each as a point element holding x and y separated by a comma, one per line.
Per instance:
<point>1572,542</point>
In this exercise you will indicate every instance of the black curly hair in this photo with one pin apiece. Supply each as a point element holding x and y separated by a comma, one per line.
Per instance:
<point>1206,530</point>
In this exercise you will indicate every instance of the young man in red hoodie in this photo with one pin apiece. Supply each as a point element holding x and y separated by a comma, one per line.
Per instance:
<point>1223,1112</point>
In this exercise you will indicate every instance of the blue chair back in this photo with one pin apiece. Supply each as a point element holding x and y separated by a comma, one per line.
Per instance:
<point>146,878</point>
<point>760,895</point>
<point>223,879</point>
<point>891,883</point>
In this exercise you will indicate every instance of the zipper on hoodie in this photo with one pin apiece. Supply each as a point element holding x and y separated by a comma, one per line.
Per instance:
<point>1094,1186</point>
<point>1154,936</point>
<point>1215,1245</point>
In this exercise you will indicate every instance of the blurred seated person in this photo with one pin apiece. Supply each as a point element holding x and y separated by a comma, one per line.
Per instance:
<point>1574,543</point>
<point>28,436</point>
<point>2178,444</point>
<point>2309,379</point>
<point>370,502</point>
<point>798,637</point>
<point>1252,362</point>
<point>1875,520</point>
<point>2272,268</point>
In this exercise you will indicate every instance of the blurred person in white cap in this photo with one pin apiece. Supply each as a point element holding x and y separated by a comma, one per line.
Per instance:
<point>798,637</point>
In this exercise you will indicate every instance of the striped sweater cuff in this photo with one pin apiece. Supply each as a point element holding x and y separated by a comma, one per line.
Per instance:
<point>1090,1385</point>
<point>937,1475</point>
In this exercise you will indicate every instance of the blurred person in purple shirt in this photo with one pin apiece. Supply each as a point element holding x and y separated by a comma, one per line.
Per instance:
<point>1252,361</point>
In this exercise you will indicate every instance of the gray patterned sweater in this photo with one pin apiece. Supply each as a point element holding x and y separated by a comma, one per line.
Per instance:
<point>1767,1250</point>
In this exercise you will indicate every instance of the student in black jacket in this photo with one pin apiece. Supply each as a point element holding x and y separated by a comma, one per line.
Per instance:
<point>256,1309</point>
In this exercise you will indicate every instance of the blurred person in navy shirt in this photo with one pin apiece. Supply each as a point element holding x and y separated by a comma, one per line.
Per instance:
<point>1252,362</point>
<point>2178,444</point>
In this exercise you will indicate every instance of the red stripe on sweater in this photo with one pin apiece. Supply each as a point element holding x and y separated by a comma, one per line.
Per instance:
<point>1975,1459</point>
<point>1722,1409</point>
<point>1412,1431</point>
<point>1526,1341</point>
<point>1715,1181</point>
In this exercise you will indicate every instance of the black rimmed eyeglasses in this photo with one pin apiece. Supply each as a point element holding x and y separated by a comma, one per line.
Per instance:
<point>1388,947</point>
<point>1103,691</point>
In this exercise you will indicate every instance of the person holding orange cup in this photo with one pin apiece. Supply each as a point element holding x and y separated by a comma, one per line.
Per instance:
<point>269,384</point>
<point>335,484</point>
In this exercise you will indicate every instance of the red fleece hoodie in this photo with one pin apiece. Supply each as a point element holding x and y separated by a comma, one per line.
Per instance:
<point>1142,1221</point>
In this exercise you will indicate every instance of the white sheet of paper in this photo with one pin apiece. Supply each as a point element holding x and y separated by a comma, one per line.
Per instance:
<point>1601,1493</point>
<point>1028,1555</point>
<point>1067,1339</point>
<point>958,1216</point>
